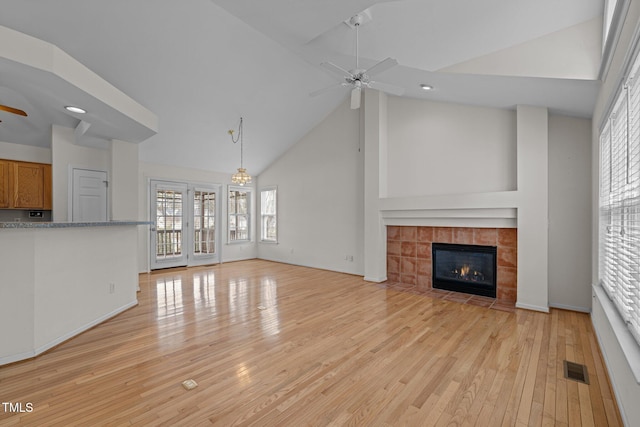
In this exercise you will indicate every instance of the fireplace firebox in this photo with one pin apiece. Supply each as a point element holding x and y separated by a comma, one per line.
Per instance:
<point>464,268</point>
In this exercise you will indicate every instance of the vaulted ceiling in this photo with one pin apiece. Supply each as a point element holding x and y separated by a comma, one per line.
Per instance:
<point>201,64</point>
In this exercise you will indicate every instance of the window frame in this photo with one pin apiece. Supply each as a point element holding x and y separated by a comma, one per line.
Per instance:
<point>248,191</point>
<point>619,201</point>
<point>263,233</point>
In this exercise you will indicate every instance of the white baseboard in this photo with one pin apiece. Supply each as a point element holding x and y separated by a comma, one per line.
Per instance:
<point>16,357</point>
<point>375,279</point>
<point>571,308</point>
<point>28,355</point>
<point>281,261</point>
<point>532,307</point>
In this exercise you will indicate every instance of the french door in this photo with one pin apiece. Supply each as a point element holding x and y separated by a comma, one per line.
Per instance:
<point>185,230</point>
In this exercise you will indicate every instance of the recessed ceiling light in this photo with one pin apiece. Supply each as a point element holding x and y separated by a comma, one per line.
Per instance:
<point>426,87</point>
<point>75,109</point>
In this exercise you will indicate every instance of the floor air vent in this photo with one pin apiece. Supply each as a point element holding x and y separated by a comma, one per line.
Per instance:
<point>576,372</point>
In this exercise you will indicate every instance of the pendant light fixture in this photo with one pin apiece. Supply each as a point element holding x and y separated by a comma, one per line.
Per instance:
<point>241,177</point>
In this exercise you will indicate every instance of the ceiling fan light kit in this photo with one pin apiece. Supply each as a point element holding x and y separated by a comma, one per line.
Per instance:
<point>358,78</point>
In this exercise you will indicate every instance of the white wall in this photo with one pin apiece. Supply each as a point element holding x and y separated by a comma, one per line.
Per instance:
<point>428,140</point>
<point>569,213</point>
<point>429,133</point>
<point>320,197</point>
<point>376,143</point>
<point>48,272</point>
<point>123,188</point>
<point>533,208</point>
<point>149,171</point>
<point>66,156</point>
<point>605,322</point>
<point>25,153</point>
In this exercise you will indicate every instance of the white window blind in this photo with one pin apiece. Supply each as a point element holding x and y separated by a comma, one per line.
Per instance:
<point>619,245</point>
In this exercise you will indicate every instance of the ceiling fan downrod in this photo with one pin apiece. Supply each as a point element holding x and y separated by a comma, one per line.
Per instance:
<point>356,20</point>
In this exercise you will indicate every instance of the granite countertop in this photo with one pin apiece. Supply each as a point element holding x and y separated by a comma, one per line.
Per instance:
<point>43,224</point>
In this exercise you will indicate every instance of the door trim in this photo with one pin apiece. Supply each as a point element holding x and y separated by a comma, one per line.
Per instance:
<point>183,259</point>
<point>194,259</point>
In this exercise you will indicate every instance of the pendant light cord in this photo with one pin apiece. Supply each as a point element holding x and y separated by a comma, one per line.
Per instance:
<point>239,138</point>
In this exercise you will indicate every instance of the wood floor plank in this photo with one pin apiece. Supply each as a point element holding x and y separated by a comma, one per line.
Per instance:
<point>553,363</point>
<point>271,344</point>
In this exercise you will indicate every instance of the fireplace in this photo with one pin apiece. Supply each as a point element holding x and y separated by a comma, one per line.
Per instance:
<point>464,268</point>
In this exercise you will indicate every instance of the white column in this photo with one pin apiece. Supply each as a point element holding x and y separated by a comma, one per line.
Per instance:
<point>533,207</point>
<point>375,179</point>
<point>123,187</point>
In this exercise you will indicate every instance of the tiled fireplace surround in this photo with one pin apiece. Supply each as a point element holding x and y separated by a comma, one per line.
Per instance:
<point>409,254</point>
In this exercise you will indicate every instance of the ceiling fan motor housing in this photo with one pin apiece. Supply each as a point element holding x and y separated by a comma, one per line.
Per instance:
<point>359,19</point>
<point>355,20</point>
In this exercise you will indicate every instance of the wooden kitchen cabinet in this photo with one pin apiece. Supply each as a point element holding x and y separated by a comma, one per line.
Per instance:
<point>28,185</point>
<point>5,188</point>
<point>25,185</point>
<point>48,200</point>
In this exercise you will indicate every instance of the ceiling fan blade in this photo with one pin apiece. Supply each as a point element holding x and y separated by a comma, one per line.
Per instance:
<point>12,110</point>
<point>330,66</point>
<point>385,87</point>
<point>381,67</point>
<point>356,94</point>
<point>327,89</point>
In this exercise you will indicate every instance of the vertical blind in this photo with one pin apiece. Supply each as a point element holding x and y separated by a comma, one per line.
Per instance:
<point>619,240</point>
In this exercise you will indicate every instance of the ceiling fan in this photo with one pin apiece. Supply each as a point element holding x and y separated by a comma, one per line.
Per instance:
<point>12,110</point>
<point>359,78</point>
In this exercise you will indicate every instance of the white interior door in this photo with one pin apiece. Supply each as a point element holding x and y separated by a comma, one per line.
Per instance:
<point>169,235</point>
<point>89,195</point>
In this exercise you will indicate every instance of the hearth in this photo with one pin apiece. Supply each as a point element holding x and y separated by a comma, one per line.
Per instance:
<point>464,268</point>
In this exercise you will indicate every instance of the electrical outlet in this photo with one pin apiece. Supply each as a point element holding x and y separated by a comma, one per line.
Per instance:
<point>112,288</point>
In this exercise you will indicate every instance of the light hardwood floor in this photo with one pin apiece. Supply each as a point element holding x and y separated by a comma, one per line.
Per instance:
<point>278,345</point>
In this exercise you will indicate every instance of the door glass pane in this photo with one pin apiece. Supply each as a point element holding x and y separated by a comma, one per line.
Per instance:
<point>168,224</point>
<point>204,220</point>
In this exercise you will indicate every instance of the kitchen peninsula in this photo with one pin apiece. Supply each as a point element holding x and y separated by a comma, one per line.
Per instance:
<point>59,279</point>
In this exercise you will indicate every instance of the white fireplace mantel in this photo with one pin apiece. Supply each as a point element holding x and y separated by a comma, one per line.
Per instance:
<point>494,209</point>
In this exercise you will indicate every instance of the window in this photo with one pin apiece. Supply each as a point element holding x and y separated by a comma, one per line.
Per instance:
<point>619,203</point>
<point>239,217</point>
<point>268,212</point>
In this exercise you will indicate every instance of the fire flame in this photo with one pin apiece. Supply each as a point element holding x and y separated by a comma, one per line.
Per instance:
<point>464,271</point>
